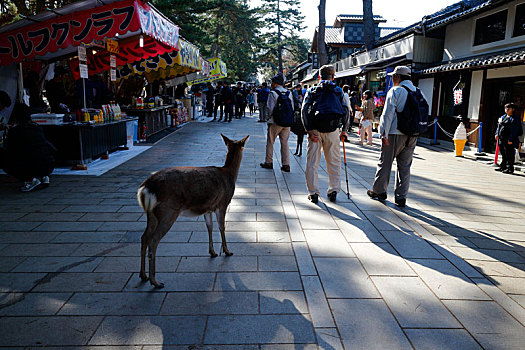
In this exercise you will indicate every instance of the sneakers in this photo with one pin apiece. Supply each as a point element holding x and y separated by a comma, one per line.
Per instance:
<point>45,181</point>
<point>314,198</point>
<point>401,202</point>
<point>508,171</point>
<point>332,196</point>
<point>30,185</point>
<point>285,168</point>
<point>378,196</point>
<point>499,169</point>
<point>266,165</point>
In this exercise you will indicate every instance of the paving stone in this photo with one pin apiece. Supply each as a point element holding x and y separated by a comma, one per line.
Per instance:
<point>27,237</point>
<point>277,302</point>
<point>61,264</point>
<point>328,243</point>
<point>231,236</point>
<point>132,264</point>
<point>19,282</point>
<point>31,304</point>
<point>113,304</point>
<point>9,263</point>
<point>384,221</point>
<point>367,324</point>
<point>446,280</point>
<point>120,226</point>
<point>273,237</point>
<point>277,263</point>
<point>413,303</point>
<point>501,332</point>
<point>43,217</point>
<point>13,226</point>
<point>381,259</point>
<point>345,278</point>
<point>261,249</point>
<point>520,299</point>
<point>315,219</point>
<point>304,259</point>
<point>207,264</point>
<point>254,209</point>
<point>92,209</point>
<point>210,303</point>
<point>409,245</point>
<point>328,338</point>
<point>446,339</point>
<point>88,237</point>
<point>250,329</point>
<point>160,330</point>
<point>173,282</point>
<point>110,217</point>
<point>258,281</point>
<point>510,285</point>
<point>270,217</point>
<point>289,347</point>
<point>83,282</point>
<point>317,303</point>
<point>489,255</point>
<point>359,231</point>
<point>38,331</point>
<point>45,249</point>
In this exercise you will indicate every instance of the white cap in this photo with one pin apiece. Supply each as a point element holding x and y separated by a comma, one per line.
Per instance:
<point>401,70</point>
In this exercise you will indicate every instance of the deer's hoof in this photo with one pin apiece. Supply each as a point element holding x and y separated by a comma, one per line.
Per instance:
<point>143,277</point>
<point>157,285</point>
<point>213,254</point>
<point>228,253</point>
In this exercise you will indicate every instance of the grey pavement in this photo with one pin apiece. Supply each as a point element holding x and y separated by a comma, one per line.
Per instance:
<point>446,272</point>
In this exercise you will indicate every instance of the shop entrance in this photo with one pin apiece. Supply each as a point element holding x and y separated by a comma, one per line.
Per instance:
<point>499,92</point>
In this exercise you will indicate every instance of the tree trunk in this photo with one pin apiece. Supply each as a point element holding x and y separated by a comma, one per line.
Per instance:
<point>368,22</point>
<point>321,47</point>
<point>279,47</point>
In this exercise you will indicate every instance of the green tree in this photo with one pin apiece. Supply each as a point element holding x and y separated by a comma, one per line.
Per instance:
<point>285,22</point>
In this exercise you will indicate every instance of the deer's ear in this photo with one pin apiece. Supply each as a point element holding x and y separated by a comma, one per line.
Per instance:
<point>226,140</point>
<point>243,141</point>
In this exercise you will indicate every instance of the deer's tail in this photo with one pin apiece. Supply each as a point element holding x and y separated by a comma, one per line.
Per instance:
<point>147,200</point>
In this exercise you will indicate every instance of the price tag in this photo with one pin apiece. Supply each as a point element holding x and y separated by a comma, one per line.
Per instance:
<point>83,70</point>
<point>112,46</point>
<point>82,55</point>
<point>113,61</point>
<point>113,74</point>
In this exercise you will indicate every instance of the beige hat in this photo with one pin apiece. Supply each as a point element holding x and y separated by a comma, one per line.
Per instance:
<point>401,70</point>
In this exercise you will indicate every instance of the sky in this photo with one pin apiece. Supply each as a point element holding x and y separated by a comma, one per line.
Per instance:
<point>398,13</point>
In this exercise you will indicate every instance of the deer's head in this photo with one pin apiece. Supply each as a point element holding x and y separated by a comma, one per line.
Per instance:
<point>233,144</point>
<point>235,148</point>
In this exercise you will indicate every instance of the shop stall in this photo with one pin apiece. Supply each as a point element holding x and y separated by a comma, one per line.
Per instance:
<point>91,37</point>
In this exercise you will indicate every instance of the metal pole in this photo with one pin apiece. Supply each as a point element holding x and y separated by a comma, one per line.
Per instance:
<point>84,90</point>
<point>346,173</point>
<point>480,153</point>
<point>20,83</point>
<point>435,142</point>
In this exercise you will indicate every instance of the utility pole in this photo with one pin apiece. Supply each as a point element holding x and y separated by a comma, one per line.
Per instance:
<point>368,23</point>
<point>321,47</point>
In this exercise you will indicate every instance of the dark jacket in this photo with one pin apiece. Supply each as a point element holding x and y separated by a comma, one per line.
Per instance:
<point>323,122</point>
<point>227,94</point>
<point>28,154</point>
<point>509,129</point>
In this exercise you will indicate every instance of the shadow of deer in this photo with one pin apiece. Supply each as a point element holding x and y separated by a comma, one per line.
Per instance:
<point>187,191</point>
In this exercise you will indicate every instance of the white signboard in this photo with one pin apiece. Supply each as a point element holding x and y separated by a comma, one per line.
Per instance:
<point>113,74</point>
<point>82,55</point>
<point>83,70</point>
<point>113,61</point>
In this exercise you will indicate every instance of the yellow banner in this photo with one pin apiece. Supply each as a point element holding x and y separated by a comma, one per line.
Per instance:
<point>217,71</point>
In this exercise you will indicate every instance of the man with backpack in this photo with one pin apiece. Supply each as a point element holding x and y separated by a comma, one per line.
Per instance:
<point>262,99</point>
<point>324,108</point>
<point>507,136</point>
<point>404,117</point>
<point>281,112</point>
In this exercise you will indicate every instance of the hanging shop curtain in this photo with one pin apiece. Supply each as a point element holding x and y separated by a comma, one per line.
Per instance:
<point>52,37</point>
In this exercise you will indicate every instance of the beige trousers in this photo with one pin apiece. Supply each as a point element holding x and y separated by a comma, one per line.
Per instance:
<point>275,130</point>
<point>329,144</point>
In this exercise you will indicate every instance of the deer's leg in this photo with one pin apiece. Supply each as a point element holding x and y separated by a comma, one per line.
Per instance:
<point>166,219</point>
<point>209,225</point>
<point>221,214</point>
<point>146,236</point>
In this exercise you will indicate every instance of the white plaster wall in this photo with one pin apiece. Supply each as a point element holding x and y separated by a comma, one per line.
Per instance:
<point>460,35</point>
<point>476,84</point>
<point>506,72</point>
<point>427,88</point>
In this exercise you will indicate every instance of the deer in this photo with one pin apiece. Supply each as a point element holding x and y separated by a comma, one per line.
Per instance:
<point>187,191</point>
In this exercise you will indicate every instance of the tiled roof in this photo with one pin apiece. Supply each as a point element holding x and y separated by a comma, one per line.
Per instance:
<point>384,31</point>
<point>377,18</point>
<point>455,16</point>
<point>334,35</point>
<point>479,61</point>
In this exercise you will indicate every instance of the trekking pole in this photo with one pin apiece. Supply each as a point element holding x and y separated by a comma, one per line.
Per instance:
<point>346,173</point>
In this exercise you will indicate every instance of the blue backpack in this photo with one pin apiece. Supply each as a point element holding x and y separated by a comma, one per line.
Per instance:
<point>262,95</point>
<point>327,107</point>
<point>283,112</point>
<point>413,120</point>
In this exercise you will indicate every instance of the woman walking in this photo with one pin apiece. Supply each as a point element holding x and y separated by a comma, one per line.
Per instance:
<point>365,124</point>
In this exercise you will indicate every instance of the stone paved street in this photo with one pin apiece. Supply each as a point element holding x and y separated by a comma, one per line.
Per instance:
<point>447,272</point>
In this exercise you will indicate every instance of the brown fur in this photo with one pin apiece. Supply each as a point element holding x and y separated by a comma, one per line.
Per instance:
<point>190,191</point>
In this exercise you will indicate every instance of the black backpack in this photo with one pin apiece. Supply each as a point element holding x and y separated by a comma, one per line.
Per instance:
<point>413,120</point>
<point>327,108</point>
<point>283,112</point>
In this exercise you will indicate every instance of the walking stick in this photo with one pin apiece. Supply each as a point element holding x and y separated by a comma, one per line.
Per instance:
<point>346,173</point>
